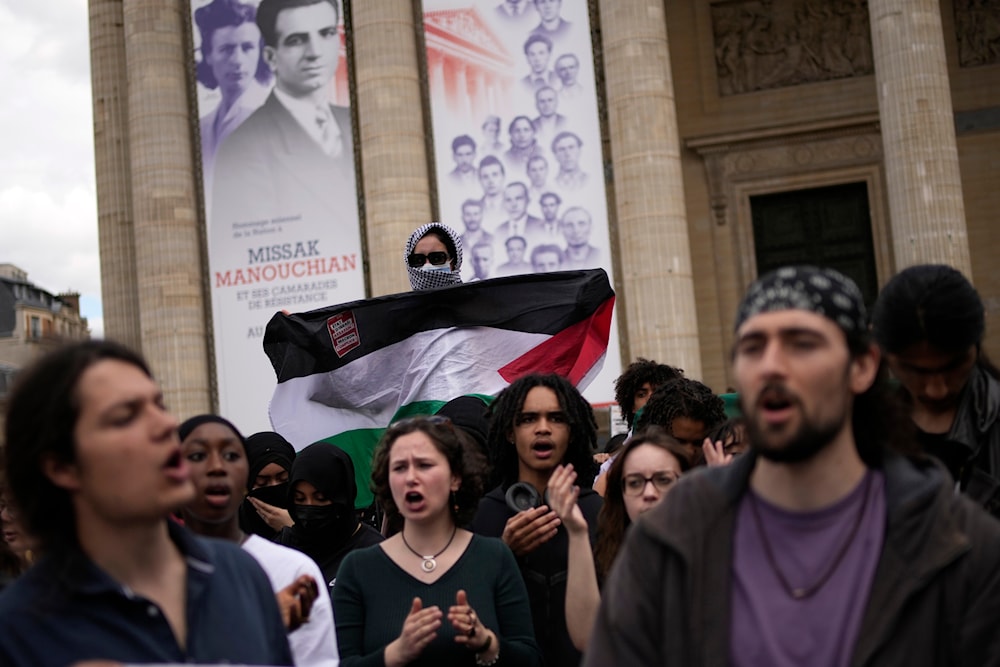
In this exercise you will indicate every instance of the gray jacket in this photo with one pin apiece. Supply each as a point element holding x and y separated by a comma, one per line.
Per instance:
<point>935,599</point>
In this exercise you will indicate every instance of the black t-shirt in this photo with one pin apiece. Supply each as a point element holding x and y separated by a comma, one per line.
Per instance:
<point>953,455</point>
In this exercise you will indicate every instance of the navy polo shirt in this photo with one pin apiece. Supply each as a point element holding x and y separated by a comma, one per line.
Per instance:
<point>66,609</point>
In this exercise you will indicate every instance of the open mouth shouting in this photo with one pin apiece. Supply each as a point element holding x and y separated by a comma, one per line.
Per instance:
<point>776,405</point>
<point>543,449</point>
<point>218,494</point>
<point>414,501</point>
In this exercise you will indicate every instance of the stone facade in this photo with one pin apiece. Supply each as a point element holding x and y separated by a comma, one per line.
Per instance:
<point>707,104</point>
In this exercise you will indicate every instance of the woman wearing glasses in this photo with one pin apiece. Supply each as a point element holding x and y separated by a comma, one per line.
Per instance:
<point>434,256</point>
<point>434,593</point>
<point>642,474</point>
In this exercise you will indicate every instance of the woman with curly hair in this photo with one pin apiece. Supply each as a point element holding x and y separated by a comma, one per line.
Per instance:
<point>639,479</point>
<point>434,593</point>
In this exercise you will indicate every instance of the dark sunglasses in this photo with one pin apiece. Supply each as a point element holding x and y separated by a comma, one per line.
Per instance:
<point>416,259</point>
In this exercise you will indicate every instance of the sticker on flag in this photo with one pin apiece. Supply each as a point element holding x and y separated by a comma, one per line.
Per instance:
<point>346,372</point>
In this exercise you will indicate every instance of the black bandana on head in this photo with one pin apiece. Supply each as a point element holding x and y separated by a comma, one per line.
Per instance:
<point>825,292</point>
<point>420,279</point>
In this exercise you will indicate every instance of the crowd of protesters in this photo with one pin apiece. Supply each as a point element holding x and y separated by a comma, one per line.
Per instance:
<point>845,517</point>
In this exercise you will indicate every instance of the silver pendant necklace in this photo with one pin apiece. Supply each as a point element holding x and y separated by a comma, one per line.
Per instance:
<point>428,563</point>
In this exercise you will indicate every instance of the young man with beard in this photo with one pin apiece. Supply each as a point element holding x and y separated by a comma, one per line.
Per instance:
<point>536,424</point>
<point>825,545</point>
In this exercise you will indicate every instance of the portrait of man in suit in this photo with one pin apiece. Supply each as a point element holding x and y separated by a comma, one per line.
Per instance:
<point>293,156</point>
<point>548,121</point>
<point>518,222</point>
<point>538,51</point>
<point>580,254</point>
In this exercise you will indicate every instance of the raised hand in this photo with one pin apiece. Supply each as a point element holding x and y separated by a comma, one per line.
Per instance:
<point>527,530</point>
<point>715,453</point>
<point>296,600</point>
<point>563,494</point>
<point>419,630</point>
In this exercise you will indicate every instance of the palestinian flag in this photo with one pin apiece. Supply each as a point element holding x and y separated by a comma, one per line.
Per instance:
<point>346,372</point>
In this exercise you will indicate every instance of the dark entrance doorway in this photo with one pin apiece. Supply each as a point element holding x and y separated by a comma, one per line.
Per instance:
<point>828,226</point>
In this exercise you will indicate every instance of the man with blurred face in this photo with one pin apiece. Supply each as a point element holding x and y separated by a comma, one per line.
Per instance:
<point>827,543</point>
<point>482,260</point>
<point>519,13</point>
<point>566,147</point>
<point>538,176</point>
<point>491,179</point>
<point>515,265</point>
<point>463,152</point>
<point>472,218</point>
<point>294,153</point>
<point>538,51</point>
<point>546,258</point>
<point>568,69</point>
<point>550,203</point>
<point>552,25</point>
<point>549,121</point>
<point>575,226</point>
<point>518,223</point>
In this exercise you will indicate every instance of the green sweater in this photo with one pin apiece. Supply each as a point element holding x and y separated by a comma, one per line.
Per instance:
<point>372,597</point>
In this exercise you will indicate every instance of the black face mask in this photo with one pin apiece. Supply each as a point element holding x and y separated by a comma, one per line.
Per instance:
<point>329,521</point>
<point>276,495</point>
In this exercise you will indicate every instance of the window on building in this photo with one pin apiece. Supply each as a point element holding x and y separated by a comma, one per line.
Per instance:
<point>36,327</point>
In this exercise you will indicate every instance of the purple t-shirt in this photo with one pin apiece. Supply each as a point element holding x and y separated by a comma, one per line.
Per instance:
<point>767,625</point>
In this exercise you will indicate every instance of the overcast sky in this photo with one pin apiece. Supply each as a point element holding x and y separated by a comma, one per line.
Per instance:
<point>48,204</point>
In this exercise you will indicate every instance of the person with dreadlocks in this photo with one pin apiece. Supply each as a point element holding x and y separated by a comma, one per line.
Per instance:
<point>434,256</point>
<point>929,320</point>
<point>686,409</point>
<point>538,423</point>
<point>632,391</point>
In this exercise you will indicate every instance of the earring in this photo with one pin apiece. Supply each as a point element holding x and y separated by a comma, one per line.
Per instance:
<point>454,503</point>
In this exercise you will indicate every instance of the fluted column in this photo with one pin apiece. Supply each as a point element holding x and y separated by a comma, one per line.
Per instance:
<point>918,134</point>
<point>393,150</point>
<point>652,230</point>
<point>167,236</point>
<point>111,156</point>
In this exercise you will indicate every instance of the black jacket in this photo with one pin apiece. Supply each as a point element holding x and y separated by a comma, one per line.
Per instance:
<point>935,598</point>
<point>977,429</point>
<point>544,572</point>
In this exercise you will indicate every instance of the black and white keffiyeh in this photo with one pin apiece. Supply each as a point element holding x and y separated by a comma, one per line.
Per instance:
<point>420,279</point>
<point>823,291</point>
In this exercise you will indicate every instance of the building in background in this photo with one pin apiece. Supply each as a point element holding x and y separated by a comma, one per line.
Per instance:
<point>32,320</point>
<point>737,135</point>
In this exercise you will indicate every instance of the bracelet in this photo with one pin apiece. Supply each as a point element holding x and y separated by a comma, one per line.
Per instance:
<point>482,663</point>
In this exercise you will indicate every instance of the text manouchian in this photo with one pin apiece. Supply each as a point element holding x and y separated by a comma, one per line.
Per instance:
<point>303,268</point>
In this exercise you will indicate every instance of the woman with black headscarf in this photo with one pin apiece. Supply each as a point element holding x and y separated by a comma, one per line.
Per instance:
<point>322,492</point>
<point>264,511</point>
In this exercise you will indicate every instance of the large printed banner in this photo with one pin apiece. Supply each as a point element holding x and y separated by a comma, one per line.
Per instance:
<point>279,182</point>
<point>517,140</point>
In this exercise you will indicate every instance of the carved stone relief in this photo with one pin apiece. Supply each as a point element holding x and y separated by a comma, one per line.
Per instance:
<point>763,44</point>
<point>977,31</point>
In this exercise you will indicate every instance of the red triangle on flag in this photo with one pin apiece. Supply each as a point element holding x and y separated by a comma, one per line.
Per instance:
<point>571,353</point>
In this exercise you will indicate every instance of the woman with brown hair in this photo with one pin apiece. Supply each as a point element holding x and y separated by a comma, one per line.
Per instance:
<point>434,593</point>
<point>641,476</point>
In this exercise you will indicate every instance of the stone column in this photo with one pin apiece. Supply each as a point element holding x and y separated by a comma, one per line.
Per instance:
<point>114,191</point>
<point>918,134</point>
<point>394,157</point>
<point>658,291</point>
<point>168,243</point>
